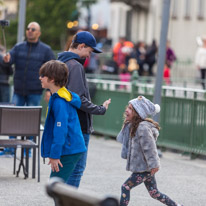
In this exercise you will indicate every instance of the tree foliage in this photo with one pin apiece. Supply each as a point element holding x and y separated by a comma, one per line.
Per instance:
<point>87,3</point>
<point>52,15</point>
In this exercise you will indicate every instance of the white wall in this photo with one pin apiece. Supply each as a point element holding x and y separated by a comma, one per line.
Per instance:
<point>182,34</point>
<point>152,22</point>
<point>117,26</point>
<point>11,6</point>
<point>146,25</point>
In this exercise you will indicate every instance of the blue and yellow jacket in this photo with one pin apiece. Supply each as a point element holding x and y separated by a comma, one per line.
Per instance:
<point>62,132</point>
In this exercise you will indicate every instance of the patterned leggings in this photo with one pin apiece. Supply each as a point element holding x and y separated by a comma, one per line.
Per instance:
<point>150,183</point>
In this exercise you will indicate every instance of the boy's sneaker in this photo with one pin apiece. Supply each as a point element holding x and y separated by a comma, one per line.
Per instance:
<point>179,205</point>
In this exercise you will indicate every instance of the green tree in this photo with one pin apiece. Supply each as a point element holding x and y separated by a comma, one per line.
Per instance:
<point>52,16</point>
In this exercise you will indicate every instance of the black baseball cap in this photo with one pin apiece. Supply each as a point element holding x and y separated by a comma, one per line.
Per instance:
<point>88,39</point>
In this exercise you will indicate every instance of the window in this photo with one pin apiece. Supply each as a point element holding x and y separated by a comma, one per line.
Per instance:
<point>174,9</point>
<point>187,8</point>
<point>200,11</point>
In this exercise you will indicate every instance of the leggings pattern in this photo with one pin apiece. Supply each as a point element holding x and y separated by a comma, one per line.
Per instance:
<point>151,185</point>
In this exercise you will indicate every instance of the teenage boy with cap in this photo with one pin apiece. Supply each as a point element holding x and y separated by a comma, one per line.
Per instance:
<point>83,44</point>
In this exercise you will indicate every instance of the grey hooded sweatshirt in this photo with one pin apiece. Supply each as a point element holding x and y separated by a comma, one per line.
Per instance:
<point>140,150</point>
<point>77,83</point>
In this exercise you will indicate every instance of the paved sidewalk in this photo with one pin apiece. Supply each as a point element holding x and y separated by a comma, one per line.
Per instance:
<point>182,179</point>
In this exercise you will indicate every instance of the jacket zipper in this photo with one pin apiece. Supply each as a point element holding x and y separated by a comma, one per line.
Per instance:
<point>26,69</point>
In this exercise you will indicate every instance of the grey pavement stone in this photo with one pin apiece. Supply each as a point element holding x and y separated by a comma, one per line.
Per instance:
<point>182,179</point>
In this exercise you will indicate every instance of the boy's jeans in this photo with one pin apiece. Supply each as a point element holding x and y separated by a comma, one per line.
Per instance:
<point>68,162</point>
<point>78,171</point>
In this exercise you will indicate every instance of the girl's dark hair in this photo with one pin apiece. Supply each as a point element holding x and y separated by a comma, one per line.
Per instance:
<point>136,121</point>
<point>55,70</point>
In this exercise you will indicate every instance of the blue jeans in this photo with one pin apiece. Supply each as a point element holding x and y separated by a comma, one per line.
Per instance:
<point>28,100</point>
<point>4,93</point>
<point>75,177</point>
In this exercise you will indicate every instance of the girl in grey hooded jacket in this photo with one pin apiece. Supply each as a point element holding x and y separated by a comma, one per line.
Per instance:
<point>138,137</point>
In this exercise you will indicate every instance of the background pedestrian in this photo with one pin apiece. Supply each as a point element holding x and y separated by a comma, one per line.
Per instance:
<point>150,57</point>
<point>170,55</point>
<point>5,72</point>
<point>200,60</point>
<point>28,57</point>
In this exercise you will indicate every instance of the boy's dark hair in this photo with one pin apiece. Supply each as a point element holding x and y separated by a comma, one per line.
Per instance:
<point>55,70</point>
<point>74,44</point>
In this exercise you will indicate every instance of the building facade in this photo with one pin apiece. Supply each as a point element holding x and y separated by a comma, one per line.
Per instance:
<point>8,9</point>
<point>143,23</point>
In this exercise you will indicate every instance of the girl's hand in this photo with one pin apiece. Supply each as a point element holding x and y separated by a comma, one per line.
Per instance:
<point>55,164</point>
<point>154,170</point>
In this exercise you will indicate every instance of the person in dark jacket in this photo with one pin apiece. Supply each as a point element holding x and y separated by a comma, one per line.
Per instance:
<point>28,57</point>
<point>150,58</point>
<point>5,71</point>
<point>83,44</point>
<point>62,139</point>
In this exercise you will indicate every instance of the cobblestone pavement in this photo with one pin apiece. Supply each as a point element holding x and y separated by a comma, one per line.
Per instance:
<point>182,179</point>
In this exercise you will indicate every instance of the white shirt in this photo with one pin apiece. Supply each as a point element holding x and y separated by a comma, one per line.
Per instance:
<point>200,58</point>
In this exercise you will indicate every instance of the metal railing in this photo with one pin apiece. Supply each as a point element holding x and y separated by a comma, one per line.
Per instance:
<point>182,117</point>
<point>173,81</point>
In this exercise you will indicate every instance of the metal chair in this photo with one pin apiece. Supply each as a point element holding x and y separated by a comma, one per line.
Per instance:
<point>65,195</point>
<point>23,121</point>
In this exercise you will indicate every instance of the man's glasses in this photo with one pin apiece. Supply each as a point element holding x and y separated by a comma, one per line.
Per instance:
<point>32,29</point>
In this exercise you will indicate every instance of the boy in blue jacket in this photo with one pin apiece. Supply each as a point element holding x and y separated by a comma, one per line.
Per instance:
<point>62,140</point>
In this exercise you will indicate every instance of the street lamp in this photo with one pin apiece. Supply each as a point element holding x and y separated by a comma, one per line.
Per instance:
<point>95,26</point>
<point>72,24</point>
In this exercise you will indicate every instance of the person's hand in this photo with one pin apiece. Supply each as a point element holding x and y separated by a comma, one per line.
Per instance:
<point>55,164</point>
<point>106,103</point>
<point>154,170</point>
<point>7,57</point>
